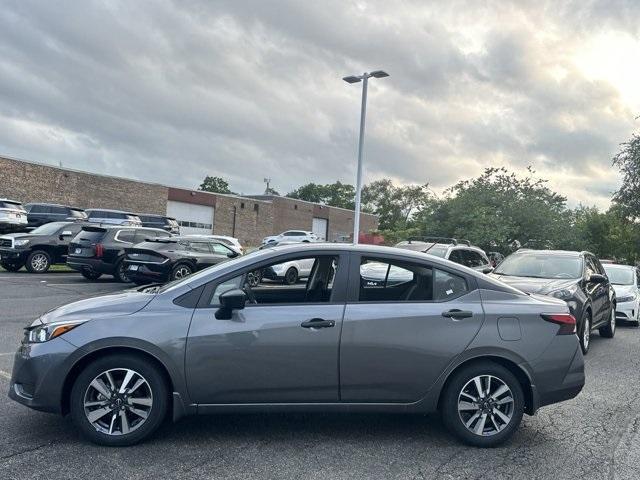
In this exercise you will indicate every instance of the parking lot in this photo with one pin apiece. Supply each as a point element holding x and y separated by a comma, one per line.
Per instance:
<point>596,435</point>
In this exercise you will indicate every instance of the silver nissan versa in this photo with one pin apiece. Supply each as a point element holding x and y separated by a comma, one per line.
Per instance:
<point>371,329</point>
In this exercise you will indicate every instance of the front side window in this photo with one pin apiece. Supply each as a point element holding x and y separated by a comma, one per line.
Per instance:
<point>200,247</point>
<point>391,281</point>
<point>220,249</point>
<point>312,283</point>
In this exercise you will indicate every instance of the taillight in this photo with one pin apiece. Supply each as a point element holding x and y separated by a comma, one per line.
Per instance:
<point>566,321</point>
<point>99,249</point>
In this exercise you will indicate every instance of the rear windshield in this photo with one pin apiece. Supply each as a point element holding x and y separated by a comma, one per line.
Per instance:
<point>540,265</point>
<point>14,206</point>
<point>90,235</point>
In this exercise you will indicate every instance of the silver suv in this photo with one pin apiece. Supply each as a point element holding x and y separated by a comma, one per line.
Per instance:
<point>113,217</point>
<point>458,251</point>
<point>13,216</point>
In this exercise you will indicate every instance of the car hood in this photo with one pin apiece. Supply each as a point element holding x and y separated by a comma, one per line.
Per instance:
<point>122,303</point>
<point>542,286</point>
<point>27,236</point>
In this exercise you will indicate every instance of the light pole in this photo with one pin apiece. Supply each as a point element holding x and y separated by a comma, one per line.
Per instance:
<point>363,113</point>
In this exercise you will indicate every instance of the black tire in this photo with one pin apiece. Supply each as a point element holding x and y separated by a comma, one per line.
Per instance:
<point>291,276</point>
<point>89,275</point>
<point>155,415</point>
<point>11,267</point>
<point>38,261</point>
<point>119,273</point>
<point>181,270</point>
<point>584,335</point>
<point>453,418</point>
<point>609,330</point>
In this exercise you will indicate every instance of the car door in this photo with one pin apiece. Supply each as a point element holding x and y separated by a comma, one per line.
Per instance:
<point>63,238</point>
<point>596,291</point>
<point>283,349</point>
<point>401,331</point>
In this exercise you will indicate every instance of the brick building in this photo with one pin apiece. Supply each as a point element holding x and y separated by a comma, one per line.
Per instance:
<point>248,218</point>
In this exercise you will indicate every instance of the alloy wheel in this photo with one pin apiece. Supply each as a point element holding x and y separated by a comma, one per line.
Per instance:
<point>485,405</point>
<point>586,333</point>
<point>613,319</point>
<point>39,262</point>
<point>182,272</point>
<point>118,401</point>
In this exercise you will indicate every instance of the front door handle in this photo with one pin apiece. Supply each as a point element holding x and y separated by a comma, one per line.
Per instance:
<point>457,314</point>
<point>318,323</point>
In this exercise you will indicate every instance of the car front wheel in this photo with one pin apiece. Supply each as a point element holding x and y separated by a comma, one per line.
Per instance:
<point>38,262</point>
<point>483,404</point>
<point>585,333</point>
<point>291,276</point>
<point>119,400</point>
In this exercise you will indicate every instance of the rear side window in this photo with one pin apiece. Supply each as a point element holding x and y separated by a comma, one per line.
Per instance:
<point>96,214</point>
<point>200,247</point>
<point>219,249</point>
<point>59,210</point>
<point>38,209</point>
<point>389,281</point>
<point>472,259</point>
<point>457,257</point>
<point>125,236</point>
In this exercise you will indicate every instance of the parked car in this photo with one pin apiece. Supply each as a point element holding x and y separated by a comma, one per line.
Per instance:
<point>458,251</point>
<point>163,259</point>
<point>38,249</point>
<point>13,216</point>
<point>210,343</point>
<point>169,224</point>
<point>626,283</point>
<point>98,251</point>
<point>41,213</point>
<point>578,278</point>
<point>113,217</point>
<point>289,273</point>
<point>292,236</point>
<point>231,242</point>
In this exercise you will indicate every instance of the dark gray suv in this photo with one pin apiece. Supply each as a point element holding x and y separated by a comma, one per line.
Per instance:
<point>371,329</point>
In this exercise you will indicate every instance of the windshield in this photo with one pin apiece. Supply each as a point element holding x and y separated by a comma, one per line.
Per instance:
<point>619,275</point>
<point>48,228</point>
<point>11,205</point>
<point>541,266</point>
<point>424,247</point>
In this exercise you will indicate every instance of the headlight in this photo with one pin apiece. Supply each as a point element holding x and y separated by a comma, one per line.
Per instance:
<point>277,268</point>
<point>46,332</point>
<point>564,293</point>
<point>628,298</point>
<point>19,243</point>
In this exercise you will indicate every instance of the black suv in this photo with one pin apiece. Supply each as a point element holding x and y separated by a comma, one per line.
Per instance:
<point>41,213</point>
<point>160,221</point>
<point>38,249</point>
<point>100,250</point>
<point>164,259</point>
<point>578,278</point>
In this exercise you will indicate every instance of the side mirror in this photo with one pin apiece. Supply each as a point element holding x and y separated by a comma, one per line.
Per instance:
<point>597,278</point>
<point>486,270</point>
<point>229,301</point>
<point>232,254</point>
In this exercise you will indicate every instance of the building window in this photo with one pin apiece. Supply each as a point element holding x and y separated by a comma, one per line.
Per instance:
<point>242,205</point>
<point>256,207</point>
<point>295,207</point>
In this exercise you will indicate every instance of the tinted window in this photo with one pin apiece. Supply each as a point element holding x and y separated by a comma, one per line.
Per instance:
<point>126,236</point>
<point>38,209</point>
<point>456,256</point>
<point>97,214</point>
<point>473,258</point>
<point>200,247</point>
<point>90,235</point>
<point>141,235</point>
<point>448,286</point>
<point>59,210</point>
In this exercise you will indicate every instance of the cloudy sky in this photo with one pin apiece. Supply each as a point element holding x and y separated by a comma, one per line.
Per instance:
<point>170,91</point>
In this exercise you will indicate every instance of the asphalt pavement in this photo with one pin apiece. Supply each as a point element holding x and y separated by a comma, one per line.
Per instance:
<point>594,436</point>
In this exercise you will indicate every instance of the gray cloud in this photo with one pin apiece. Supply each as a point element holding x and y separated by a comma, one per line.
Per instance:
<point>171,91</point>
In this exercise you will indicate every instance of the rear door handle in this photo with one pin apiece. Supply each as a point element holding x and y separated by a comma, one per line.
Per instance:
<point>457,314</point>
<point>318,323</point>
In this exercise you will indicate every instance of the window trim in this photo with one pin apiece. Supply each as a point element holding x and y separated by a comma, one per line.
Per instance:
<point>353,293</point>
<point>339,289</point>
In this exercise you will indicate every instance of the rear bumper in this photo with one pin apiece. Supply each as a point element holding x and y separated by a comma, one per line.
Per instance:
<point>96,265</point>
<point>557,380</point>
<point>152,273</point>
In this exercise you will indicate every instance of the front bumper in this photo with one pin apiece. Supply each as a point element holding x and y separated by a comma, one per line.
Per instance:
<point>10,255</point>
<point>627,311</point>
<point>39,371</point>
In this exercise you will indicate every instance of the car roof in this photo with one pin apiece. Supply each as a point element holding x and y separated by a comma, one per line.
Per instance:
<point>53,205</point>
<point>109,210</point>
<point>564,253</point>
<point>8,200</point>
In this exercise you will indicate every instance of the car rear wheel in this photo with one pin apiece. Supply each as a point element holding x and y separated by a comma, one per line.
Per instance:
<point>585,333</point>
<point>181,271</point>
<point>119,400</point>
<point>120,273</point>
<point>291,276</point>
<point>609,330</point>
<point>483,404</point>
<point>38,262</point>
<point>11,267</point>
<point>89,275</point>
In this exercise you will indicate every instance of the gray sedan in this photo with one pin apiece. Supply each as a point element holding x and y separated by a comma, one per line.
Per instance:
<point>372,329</point>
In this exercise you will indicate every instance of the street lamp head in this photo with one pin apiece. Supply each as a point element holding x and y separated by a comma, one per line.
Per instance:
<point>352,79</point>
<point>379,74</point>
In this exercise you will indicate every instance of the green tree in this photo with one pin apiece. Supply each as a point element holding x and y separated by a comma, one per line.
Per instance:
<point>395,205</point>
<point>336,194</point>
<point>628,161</point>
<point>215,185</point>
